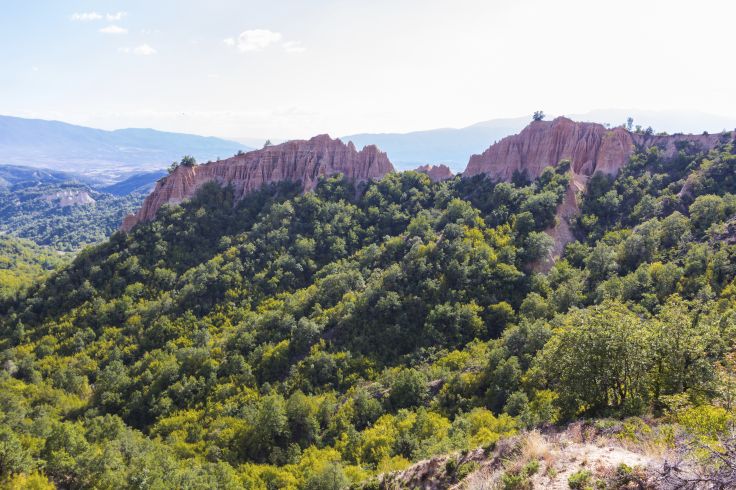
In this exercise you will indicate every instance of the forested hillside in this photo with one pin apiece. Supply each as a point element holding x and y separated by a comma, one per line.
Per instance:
<point>40,212</point>
<point>317,340</point>
<point>22,263</point>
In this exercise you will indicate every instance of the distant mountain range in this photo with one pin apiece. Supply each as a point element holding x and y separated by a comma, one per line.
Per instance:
<point>450,146</point>
<point>13,177</point>
<point>109,156</point>
<point>142,182</point>
<point>453,146</point>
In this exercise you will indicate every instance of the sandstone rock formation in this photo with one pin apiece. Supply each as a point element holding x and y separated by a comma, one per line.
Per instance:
<point>590,148</point>
<point>436,173</point>
<point>304,161</point>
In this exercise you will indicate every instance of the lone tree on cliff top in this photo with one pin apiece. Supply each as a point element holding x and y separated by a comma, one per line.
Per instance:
<point>186,161</point>
<point>538,115</point>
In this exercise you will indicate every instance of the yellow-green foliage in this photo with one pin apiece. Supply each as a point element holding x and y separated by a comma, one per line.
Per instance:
<point>308,340</point>
<point>706,420</point>
<point>634,429</point>
<point>32,481</point>
<point>23,262</point>
<point>485,428</point>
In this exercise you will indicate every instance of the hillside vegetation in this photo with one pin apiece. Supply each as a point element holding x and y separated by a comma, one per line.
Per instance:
<point>318,340</point>
<point>23,263</point>
<point>32,211</point>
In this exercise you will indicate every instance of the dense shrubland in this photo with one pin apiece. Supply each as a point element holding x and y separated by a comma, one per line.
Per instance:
<point>314,340</point>
<point>22,263</point>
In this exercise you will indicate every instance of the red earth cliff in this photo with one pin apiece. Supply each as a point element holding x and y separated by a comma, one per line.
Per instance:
<point>304,161</point>
<point>436,173</point>
<point>590,148</point>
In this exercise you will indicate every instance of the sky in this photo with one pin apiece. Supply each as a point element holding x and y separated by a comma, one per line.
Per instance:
<point>295,68</point>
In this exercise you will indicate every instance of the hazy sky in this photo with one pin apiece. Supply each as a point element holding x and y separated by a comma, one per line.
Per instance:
<point>284,68</point>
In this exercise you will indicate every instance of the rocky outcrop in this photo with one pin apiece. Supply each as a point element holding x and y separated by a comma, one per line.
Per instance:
<point>590,148</point>
<point>436,173</point>
<point>303,161</point>
<point>68,198</point>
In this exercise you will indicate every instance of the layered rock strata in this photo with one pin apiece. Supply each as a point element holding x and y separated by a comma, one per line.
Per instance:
<point>303,161</point>
<point>590,147</point>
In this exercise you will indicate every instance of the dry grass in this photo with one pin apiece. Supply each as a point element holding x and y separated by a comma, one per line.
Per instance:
<point>545,460</point>
<point>575,433</point>
<point>484,479</point>
<point>653,449</point>
<point>536,447</point>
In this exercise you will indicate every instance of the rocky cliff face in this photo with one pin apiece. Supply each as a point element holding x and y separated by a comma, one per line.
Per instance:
<point>304,161</point>
<point>589,147</point>
<point>436,173</point>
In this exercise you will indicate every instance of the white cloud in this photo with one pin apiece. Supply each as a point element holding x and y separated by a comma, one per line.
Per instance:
<point>85,16</point>
<point>142,50</point>
<point>294,47</point>
<point>260,39</point>
<point>115,16</point>
<point>254,40</point>
<point>92,16</point>
<point>113,29</point>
